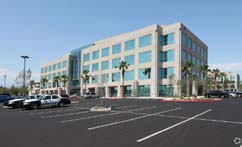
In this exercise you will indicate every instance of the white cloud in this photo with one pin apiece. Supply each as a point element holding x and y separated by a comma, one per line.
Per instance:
<point>11,76</point>
<point>228,67</point>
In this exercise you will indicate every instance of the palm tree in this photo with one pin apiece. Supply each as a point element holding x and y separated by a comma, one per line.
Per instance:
<point>222,76</point>
<point>31,83</point>
<point>43,83</point>
<point>64,79</point>
<point>56,80</point>
<point>216,73</point>
<point>204,69</point>
<point>147,72</point>
<point>123,65</point>
<point>85,77</point>
<point>186,68</point>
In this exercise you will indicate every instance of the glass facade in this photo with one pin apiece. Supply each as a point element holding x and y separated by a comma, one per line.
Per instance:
<point>129,75</point>
<point>167,56</point>
<point>105,65</point>
<point>184,39</point>
<point>54,67</point>
<point>95,55</point>
<point>114,91</point>
<point>145,41</point>
<point>166,90</point>
<point>129,59</point>
<point>144,90</point>
<point>105,52</point>
<point>144,73</point>
<point>115,62</point>
<point>86,67</point>
<point>129,45</point>
<point>86,57</point>
<point>116,77</point>
<point>94,79</point>
<point>189,43</point>
<point>50,68</point>
<point>144,57</point>
<point>64,72</point>
<point>64,63</point>
<point>167,39</point>
<point>59,65</point>
<point>105,78</point>
<point>184,56</point>
<point>127,91</point>
<point>95,67</point>
<point>166,72</point>
<point>116,49</point>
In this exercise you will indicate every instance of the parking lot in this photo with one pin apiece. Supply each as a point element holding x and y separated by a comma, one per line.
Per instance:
<point>134,123</point>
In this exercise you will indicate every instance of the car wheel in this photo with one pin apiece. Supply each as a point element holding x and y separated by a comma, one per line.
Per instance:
<point>61,104</point>
<point>33,106</point>
<point>230,96</point>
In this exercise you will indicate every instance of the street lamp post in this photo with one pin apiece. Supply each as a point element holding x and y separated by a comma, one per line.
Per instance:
<point>24,57</point>
<point>4,83</point>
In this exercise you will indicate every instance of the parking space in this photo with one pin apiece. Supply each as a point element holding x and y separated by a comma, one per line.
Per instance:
<point>130,123</point>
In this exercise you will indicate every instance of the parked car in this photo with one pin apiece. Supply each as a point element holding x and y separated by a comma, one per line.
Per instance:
<point>17,102</point>
<point>5,97</point>
<point>217,93</point>
<point>46,101</point>
<point>89,95</point>
<point>232,94</point>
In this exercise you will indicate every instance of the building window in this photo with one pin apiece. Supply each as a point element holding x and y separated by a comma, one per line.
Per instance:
<point>114,91</point>
<point>184,56</point>
<point>95,55</point>
<point>116,49</point>
<point>129,59</point>
<point>145,41</point>
<point>59,74</point>
<point>64,64</point>
<point>46,69</point>
<point>184,39</point>
<point>129,45</point>
<point>144,57</point>
<point>167,56</point>
<point>104,65</point>
<point>49,76</point>
<point>194,46</point>
<point>166,72</point>
<point>86,57</point>
<point>95,67</point>
<point>116,77</point>
<point>144,73</point>
<point>127,90</point>
<point>54,75</point>
<point>129,75</point>
<point>54,67</point>
<point>115,62</point>
<point>105,52</point>
<point>94,79</point>
<point>144,90</point>
<point>105,78</point>
<point>166,90</point>
<point>189,43</point>
<point>50,68</point>
<point>59,65</point>
<point>42,70</point>
<point>64,73</point>
<point>167,39</point>
<point>86,67</point>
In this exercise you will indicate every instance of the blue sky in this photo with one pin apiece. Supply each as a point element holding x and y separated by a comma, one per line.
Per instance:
<point>48,29</point>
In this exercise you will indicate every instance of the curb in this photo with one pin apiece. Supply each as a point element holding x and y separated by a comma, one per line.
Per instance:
<point>193,101</point>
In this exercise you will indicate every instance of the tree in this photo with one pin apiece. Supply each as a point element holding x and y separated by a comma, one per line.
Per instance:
<point>216,73</point>
<point>64,79</point>
<point>147,72</point>
<point>85,77</point>
<point>123,65</point>
<point>204,69</point>
<point>43,83</point>
<point>31,84</point>
<point>186,69</point>
<point>222,76</point>
<point>56,80</point>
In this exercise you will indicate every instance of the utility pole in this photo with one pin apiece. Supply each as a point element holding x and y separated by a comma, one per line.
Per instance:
<point>24,57</point>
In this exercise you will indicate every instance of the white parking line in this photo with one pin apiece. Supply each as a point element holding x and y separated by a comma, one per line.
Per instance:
<point>67,114</point>
<point>47,112</point>
<point>125,106</point>
<point>132,119</point>
<point>102,115</point>
<point>159,132</point>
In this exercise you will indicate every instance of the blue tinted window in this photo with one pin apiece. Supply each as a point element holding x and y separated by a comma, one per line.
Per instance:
<point>50,68</point>
<point>86,57</point>
<point>42,70</point>
<point>64,64</point>
<point>116,49</point>
<point>167,56</point>
<point>166,72</point>
<point>94,79</point>
<point>166,90</point>
<point>105,78</point>
<point>95,67</point>
<point>105,65</point>
<point>105,52</point>
<point>95,55</point>
<point>129,75</point>
<point>129,45</point>
<point>49,76</point>
<point>144,73</point>
<point>54,75</point>
<point>144,90</point>
<point>86,67</point>
<point>184,56</point>
<point>64,72</point>
<point>115,62</point>
<point>144,57</point>
<point>54,67</point>
<point>167,39</point>
<point>184,39</point>
<point>145,41</point>
<point>189,43</point>
<point>116,77</point>
<point>129,59</point>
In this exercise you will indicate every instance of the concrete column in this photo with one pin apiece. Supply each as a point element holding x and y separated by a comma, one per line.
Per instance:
<point>107,90</point>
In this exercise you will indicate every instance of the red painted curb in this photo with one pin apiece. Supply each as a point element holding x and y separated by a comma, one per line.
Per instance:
<point>195,101</point>
<point>112,99</point>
